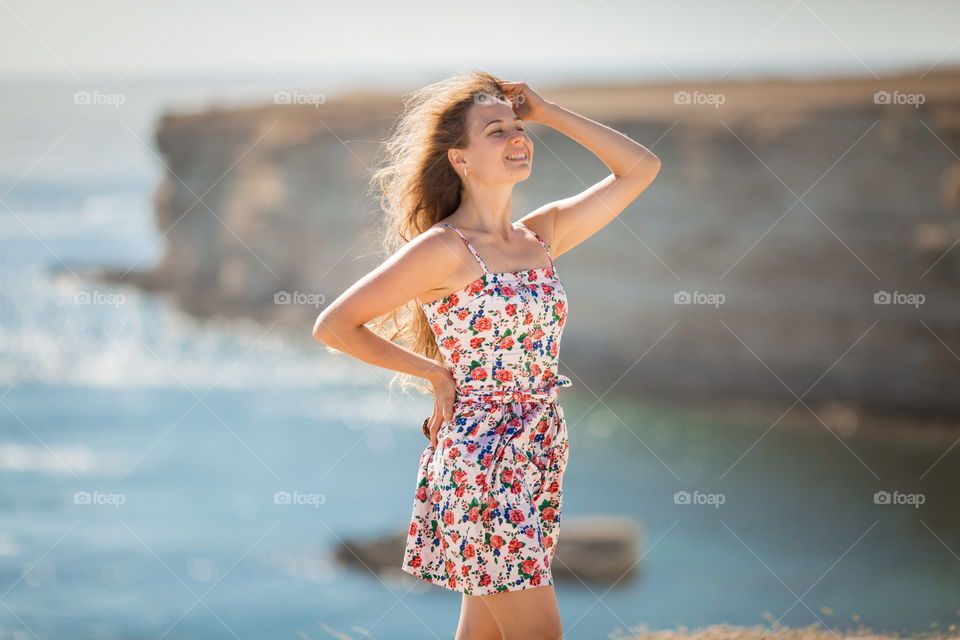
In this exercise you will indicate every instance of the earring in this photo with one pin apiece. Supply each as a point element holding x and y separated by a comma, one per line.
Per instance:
<point>465,169</point>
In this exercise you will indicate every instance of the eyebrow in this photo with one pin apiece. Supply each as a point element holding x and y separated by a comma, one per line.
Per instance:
<point>499,120</point>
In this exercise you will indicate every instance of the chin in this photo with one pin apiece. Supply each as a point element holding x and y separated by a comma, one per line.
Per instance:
<point>519,174</point>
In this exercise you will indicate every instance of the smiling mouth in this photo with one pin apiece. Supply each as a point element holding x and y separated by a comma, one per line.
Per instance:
<point>520,156</point>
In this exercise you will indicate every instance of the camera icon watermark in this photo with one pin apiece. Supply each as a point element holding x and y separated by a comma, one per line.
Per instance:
<point>698,98</point>
<point>699,297</point>
<point>897,297</point>
<point>698,498</point>
<point>897,97</point>
<point>97,498</point>
<point>297,498</point>
<point>895,497</point>
<point>84,296</point>
<point>315,300</point>
<point>99,98</point>
<point>299,97</point>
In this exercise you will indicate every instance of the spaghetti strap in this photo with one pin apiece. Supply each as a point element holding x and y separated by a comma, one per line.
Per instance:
<point>469,246</point>
<point>545,246</point>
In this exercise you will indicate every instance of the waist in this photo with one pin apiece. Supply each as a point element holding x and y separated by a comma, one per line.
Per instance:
<point>548,393</point>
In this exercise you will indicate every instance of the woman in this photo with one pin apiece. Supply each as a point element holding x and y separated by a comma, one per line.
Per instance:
<point>485,314</point>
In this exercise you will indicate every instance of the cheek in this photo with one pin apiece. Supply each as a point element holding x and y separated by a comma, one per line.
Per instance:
<point>493,152</point>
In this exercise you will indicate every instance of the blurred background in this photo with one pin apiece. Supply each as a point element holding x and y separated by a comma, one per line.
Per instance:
<point>764,345</point>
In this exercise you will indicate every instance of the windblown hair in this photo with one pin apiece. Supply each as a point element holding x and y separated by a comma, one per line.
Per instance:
<point>418,186</point>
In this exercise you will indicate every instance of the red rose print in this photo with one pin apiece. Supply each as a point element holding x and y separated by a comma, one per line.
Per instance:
<point>478,373</point>
<point>482,323</point>
<point>516,516</point>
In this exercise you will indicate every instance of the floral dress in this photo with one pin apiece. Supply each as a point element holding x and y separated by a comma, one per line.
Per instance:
<point>487,508</point>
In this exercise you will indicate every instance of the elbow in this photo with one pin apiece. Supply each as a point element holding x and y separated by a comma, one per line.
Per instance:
<point>652,166</point>
<point>643,170</point>
<point>643,174</point>
<point>322,331</point>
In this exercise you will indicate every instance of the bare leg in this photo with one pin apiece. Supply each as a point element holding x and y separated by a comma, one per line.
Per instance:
<point>527,614</point>
<point>476,621</point>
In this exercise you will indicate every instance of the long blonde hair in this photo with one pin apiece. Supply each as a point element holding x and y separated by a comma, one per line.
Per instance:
<point>418,187</point>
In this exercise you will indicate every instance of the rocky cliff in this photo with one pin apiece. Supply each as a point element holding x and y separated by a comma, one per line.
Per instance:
<point>799,241</point>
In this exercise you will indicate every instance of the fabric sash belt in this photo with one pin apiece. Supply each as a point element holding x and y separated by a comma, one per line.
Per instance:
<point>485,395</point>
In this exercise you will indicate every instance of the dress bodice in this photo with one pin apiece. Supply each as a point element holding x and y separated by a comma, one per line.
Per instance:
<point>500,334</point>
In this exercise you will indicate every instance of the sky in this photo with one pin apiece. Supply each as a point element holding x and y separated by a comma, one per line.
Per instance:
<point>126,40</point>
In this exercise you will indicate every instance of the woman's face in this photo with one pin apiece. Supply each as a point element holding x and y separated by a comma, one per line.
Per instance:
<point>499,150</point>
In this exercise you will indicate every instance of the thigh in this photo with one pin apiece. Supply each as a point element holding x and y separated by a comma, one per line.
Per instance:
<point>476,621</point>
<point>525,614</point>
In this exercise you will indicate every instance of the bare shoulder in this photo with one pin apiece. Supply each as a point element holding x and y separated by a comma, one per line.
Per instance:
<point>437,246</point>
<point>435,257</point>
<point>541,222</point>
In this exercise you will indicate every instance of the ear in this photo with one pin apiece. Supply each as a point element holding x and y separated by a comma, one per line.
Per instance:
<point>456,159</point>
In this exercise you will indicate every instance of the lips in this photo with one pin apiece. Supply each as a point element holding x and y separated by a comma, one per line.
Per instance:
<point>517,156</point>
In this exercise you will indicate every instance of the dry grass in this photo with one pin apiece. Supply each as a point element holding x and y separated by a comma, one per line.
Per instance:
<point>760,632</point>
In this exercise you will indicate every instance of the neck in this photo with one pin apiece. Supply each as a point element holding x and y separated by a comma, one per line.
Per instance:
<point>488,210</point>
